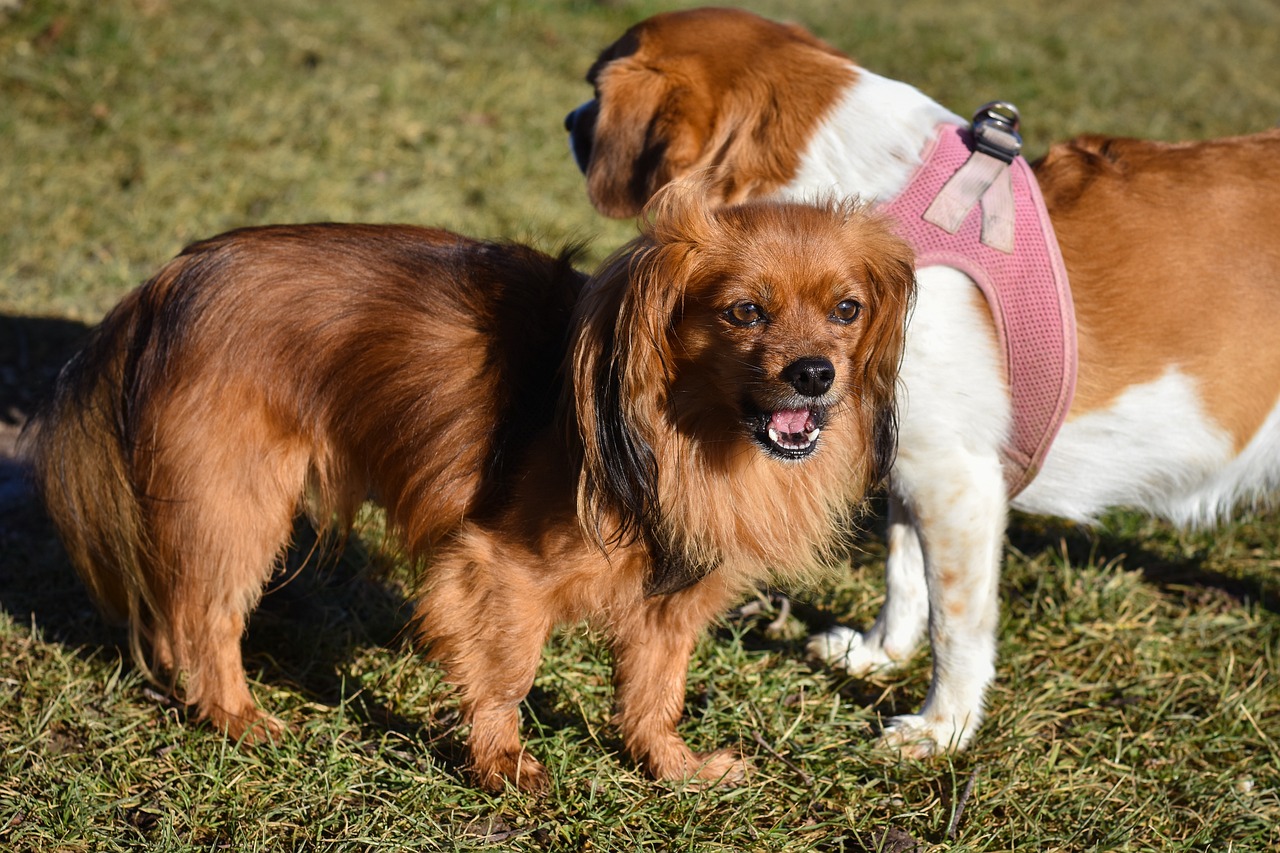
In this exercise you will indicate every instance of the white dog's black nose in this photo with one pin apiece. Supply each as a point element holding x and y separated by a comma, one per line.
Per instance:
<point>572,118</point>
<point>581,124</point>
<point>811,377</point>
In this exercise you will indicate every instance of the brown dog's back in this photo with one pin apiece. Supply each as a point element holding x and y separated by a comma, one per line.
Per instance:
<point>271,368</point>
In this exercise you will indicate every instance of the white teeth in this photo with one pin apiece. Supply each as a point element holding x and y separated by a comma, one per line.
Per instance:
<point>810,436</point>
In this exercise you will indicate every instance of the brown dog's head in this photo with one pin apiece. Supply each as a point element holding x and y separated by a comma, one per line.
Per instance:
<point>731,359</point>
<point>699,89</point>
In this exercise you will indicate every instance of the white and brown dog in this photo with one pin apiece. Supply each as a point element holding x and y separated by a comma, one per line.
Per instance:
<point>1173,254</point>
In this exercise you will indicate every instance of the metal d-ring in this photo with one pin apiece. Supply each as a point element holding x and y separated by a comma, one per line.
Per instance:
<point>995,130</point>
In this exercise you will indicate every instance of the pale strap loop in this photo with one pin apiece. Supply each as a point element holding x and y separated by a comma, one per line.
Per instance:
<point>982,179</point>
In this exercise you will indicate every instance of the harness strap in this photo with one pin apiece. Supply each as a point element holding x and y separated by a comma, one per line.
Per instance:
<point>1012,255</point>
<point>981,180</point>
<point>984,179</point>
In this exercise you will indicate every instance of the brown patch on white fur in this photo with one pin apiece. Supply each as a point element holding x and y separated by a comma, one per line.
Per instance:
<point>1115,205</point>
<point>686,108</point>
<point>346,361</point>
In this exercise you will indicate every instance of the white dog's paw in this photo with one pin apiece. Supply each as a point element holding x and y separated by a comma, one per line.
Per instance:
<point>916,736</point>
<point>846,649</point>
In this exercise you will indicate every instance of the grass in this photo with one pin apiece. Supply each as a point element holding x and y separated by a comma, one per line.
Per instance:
<point>1138,703</point>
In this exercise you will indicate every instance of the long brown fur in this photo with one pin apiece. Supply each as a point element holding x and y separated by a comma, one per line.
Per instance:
<point>274,369</point>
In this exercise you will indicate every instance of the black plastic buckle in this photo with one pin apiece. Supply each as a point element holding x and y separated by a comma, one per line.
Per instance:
<point>995,130</point>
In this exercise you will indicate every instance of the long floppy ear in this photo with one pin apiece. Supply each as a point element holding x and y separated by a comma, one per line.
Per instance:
<point>888,267</point>
<point>643,140</point>
<point>622,368</point>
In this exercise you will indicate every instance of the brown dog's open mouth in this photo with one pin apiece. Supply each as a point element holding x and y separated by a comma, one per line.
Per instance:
<point>789,433</point>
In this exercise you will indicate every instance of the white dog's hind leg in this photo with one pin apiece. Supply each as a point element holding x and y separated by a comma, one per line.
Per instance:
<point>893,638</point>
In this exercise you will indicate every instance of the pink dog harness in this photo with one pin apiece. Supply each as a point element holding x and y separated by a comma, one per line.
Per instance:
<point>1008,248</point>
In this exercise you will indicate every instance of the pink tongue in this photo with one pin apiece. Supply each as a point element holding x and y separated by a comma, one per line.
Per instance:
<point>789,421</point>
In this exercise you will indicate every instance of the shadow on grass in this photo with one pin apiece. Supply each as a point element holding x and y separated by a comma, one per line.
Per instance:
<point>1178,571</point>
<point>32,351</point>
<point>321,611</point>
<point>1183,576</point>
<point>37,586</point>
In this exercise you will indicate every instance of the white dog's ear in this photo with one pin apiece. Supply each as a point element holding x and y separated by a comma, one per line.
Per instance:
<point>643,141</point>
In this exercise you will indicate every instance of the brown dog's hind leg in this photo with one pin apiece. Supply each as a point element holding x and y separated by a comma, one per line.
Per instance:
<point>219,525</point>
<point>651,649</point>
<point>486,622</point>
<point>216,683</point>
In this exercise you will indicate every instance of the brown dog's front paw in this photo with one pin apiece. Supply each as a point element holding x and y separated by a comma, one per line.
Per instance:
<point>251,726</point>
<point>703,769</point>
<point>721,767</point>
<point>517,768</point>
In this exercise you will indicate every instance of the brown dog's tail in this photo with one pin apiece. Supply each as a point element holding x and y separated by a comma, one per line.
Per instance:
<point>81,453</point>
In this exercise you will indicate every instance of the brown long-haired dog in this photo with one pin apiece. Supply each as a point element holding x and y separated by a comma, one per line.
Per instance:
<point>728,399</point>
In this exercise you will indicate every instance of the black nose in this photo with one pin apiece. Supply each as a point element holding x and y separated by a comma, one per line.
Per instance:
<point>581,124</point>
<point>581,114</point>
<point>812,377</point>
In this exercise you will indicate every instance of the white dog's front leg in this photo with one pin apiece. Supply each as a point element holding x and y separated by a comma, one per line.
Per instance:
<point>961,521</point>
<point>893,638</point>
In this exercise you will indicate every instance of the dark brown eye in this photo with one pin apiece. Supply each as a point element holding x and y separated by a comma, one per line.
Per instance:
<point>744,314</point>
<point>846,311</point>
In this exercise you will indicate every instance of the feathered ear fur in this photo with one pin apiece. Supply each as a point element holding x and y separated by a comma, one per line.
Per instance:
<point>667,106</point>
<point>889,268</point>
<point>622,365</point>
